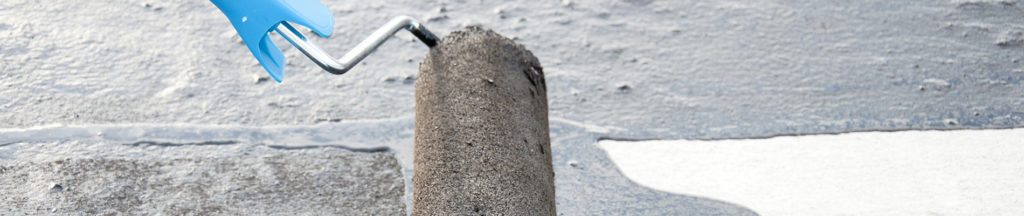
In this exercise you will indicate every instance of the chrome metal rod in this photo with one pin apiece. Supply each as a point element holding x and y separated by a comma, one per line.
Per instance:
<point>361,50</point>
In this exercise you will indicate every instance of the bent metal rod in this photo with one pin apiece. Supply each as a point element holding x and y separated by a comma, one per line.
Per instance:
<point>360,51</point>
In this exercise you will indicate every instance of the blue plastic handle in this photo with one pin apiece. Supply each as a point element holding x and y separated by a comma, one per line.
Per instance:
<point>253,19</point>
